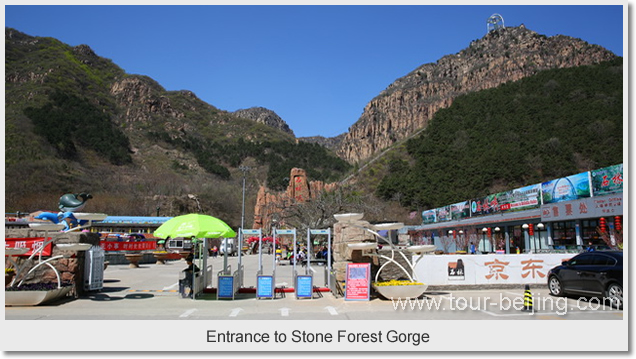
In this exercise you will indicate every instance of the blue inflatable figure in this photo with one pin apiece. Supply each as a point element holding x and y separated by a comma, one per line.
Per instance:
<point>69,220</point>
<point>69,203</point>
<point>48,216</point>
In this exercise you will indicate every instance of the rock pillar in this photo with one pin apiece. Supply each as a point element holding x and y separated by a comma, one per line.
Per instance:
<point>345,233</point>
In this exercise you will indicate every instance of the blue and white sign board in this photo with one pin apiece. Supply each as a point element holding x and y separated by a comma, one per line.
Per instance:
<point>251,231</point>
<point>319,231</point>
<point>304,286</point>
<point>285,231</point>
<point>265,286</point>
<point>226,287</point>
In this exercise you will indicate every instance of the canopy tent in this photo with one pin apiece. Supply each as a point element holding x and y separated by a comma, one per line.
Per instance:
<point>195,225</point>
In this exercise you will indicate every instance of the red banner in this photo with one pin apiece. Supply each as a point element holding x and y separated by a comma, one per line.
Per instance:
<point>33,243</point>
<point>128,246</point>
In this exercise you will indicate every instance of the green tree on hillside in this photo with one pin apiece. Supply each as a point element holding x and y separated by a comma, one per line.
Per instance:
<point>556,123</point>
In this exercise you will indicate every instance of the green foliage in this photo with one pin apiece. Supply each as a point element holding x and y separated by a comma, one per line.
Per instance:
<point>64,125</point>
<point>556,123</point>
<point>278,156</point>
<point>67,121</point>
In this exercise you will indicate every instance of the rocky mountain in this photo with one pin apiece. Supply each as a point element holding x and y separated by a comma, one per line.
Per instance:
<point>76,122</point>
<point>504,55</point>
<point>264,116</point>
<point>331,143</point>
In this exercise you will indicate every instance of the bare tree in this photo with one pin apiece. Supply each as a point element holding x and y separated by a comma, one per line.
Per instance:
<point>446,242</point>
<point>617,244</point>
<point>416,237</point>
<point>319,211</point>
<point>461,240</point>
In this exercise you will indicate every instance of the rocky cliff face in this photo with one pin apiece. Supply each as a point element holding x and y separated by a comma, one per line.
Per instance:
<point>331,143</point>
<point>299,189</point>
<point>264,116</point>
<point>407,105</point>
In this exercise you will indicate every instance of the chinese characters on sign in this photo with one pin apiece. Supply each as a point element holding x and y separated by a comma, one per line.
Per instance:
<point>128,246</point>
<point>33,244</point>
<point>607,180</point>
<point>496,269</point>
<point>357,281</point>
<point>456,270</point>
<point>602,206</point>
<point>609,205</point>
<point>532,268</point>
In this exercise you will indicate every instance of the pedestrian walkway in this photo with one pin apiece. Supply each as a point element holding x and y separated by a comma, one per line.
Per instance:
<point>151,292</point>
<point>163,279</point>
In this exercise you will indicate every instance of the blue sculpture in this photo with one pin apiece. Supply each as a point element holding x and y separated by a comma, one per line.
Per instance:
<point>69,203</point>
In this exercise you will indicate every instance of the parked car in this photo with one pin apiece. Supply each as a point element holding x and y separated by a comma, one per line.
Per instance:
<point>227,245</point>
<point>590,274</point>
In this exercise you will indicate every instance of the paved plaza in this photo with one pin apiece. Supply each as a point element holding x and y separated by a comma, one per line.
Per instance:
<point>150,292</point>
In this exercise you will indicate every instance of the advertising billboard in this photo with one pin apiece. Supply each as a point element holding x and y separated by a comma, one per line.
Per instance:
<point>460,210</point>
<point>521,199</point>
<point>566,188</point>
<point>518,199</point>
<point>607,180</point>
<point>443,214</point>
<point>429,216</point>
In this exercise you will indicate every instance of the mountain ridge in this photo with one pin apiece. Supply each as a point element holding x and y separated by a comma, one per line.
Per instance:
<point>507,54</point>
<point>179,145</point>
<point>66,106</point>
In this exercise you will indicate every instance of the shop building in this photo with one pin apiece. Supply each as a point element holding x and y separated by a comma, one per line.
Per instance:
<point>565,214</point>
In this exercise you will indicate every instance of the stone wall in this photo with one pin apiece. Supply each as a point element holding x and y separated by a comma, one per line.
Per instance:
<point>71,269</point>
<point>392,271</point>
<point>345,233</point>
<point>354,232</point>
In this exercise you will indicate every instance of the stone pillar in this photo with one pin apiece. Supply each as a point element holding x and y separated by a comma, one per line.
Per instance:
<point>70,269</point>
<point>345,233</point>
<point>392,271</point>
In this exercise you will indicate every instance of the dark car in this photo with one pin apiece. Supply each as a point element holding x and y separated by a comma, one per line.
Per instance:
<point>597,273</point>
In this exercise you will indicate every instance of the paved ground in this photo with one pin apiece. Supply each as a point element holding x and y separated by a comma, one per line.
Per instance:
<point>151,292</point>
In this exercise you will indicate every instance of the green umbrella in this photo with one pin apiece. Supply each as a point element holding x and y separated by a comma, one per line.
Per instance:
<point>194,225</point>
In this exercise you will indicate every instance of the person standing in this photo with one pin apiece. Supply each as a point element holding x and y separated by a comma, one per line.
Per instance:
<point>187,281</point>
<point>279,254</point>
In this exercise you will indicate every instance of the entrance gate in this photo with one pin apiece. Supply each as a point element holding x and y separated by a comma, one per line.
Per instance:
<point>278,232</point>
<point>327,268</point>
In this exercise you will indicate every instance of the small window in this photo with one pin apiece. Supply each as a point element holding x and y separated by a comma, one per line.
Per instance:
<point>175,243</point>
<point>582,260</point>
<point>602,260</point>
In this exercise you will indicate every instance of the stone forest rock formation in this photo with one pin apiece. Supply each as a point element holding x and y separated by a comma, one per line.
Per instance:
<point>299,189</point>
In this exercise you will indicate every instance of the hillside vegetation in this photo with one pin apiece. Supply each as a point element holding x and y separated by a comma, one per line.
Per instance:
<point>76,122</point>
<point>556,123</point>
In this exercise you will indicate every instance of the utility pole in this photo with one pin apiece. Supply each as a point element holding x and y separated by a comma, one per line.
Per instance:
<point>243,169</point>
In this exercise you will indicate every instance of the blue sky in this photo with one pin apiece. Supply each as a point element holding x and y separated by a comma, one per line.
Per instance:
<point>315,66</point>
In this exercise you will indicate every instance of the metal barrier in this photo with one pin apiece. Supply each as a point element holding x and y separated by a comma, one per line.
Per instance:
<point>332,284</point>
<point>208,277</point>
<point>237,278</point>
<point>94,268</point>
